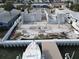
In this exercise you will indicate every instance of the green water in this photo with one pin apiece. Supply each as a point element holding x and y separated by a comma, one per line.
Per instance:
<point>70,50</point>
<point>10,53</point>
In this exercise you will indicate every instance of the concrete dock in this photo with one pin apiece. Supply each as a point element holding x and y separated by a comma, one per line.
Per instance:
<point>51,51</point>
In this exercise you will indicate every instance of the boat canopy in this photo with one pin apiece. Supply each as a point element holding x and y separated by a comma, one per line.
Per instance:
<point>32,52</point>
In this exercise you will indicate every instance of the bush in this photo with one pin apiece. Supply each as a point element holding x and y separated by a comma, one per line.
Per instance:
<point>75,7</point>
<point>21,7</point>
<point>8,6</point>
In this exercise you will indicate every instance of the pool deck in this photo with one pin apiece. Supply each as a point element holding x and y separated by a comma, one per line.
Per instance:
<point>51,51</point>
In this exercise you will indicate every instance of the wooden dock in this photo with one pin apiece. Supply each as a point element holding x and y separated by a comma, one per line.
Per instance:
<point>50,50</point>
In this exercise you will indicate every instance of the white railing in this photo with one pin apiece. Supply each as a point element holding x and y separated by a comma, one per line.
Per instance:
<point>47,40</point>
<point>18,43</point>
<point>11,29</point>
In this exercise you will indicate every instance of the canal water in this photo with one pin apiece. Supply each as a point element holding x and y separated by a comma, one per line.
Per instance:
<point>11,53</point>
<point>72,50</point>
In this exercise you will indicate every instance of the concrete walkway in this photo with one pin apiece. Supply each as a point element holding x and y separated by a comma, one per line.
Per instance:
<point>51,51</point>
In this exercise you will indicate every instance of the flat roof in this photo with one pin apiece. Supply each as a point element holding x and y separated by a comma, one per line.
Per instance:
<point>5,17</point>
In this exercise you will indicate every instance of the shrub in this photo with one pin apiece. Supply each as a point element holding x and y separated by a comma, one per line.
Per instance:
<point>75,7</point>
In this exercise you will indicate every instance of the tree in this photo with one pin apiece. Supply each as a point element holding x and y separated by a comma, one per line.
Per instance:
<point>8,6</point>
<point>3,1</point>
<point>68,3</point>
<point>75,7</point>
<point>21,7</point>
<point>30,5</point>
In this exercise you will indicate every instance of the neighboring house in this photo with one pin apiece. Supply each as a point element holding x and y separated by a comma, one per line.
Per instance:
<point>34,16</point>
<point>7,20</point>
<point>38,16</point>
<point>58,18</point>
<point>35,1</point>
<point>40,5</point>
<point>74,1</point>
<point>57,1</point>
<point>39,1</point>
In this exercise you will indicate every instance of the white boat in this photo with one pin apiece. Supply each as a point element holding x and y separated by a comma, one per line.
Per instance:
<point>32,52</point>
